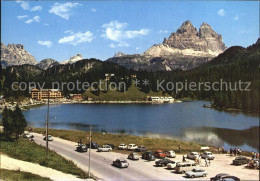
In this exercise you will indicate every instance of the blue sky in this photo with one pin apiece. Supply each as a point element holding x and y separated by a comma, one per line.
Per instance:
<point>99,29</point>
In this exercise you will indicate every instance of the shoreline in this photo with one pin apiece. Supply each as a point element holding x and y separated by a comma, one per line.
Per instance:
<point>27,105</point>
<point>118,138</point>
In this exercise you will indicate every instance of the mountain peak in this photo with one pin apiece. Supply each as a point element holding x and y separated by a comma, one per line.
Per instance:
<point>187,27</point>
<point>15,54</point>
<point>188,38</point>
<point>119,54</point>
<point>47,63</point>
<point>73,59</point>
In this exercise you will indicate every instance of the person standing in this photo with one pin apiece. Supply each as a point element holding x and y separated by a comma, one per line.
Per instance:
<point>183,159</point>
<point>253,154</point>
<point>206,162</point>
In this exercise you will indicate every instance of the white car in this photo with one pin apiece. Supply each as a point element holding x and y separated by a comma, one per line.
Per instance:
<point>26,134</point>
<point>121,163</point>
<point>193,155</point>
<point>170,154</point>
<point>122,146</point>
<point>104,148</point>
<point>208,155</point>
<point>132,147</point>
<point>49,138</point>
<point>171,165</point>
<point>133,156</point>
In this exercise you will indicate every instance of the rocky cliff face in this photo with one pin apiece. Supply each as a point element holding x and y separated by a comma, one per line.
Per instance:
<point>15,54</point>
<point>184,49</point>
<point>47,63</point>
<point>205,40</point>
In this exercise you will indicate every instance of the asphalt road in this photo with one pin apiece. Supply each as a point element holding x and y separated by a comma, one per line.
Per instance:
<point>101,163</point>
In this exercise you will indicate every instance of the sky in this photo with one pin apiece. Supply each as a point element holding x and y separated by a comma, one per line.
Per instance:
<point>99,29</point>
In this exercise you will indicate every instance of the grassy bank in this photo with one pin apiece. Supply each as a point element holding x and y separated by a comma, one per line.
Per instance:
<point>11,175</point>
<point>116,139</point>
<point>132,94</point>
<point>24,150</point>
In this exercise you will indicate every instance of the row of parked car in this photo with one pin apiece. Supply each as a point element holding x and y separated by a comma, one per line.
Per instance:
<point>188,167</point>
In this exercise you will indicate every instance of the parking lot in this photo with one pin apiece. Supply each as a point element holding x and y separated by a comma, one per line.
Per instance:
<point>143,170</point>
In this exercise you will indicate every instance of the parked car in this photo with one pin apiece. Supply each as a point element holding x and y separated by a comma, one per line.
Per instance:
<point>49,138</point>
<point>82,148</point>
<point>241,160</point>
<point>112,145</point>
<point>163,162</point>
<point>224,177</point>
<point>26,134</point>
<point>196,172</point>
<point>208,155</point>
<point>104,148</point>
<point>170,154</point>
<point>141,149</point>
<point>133,156</point>
<point>172,165</point>
<point>131,147</point>
<point>94,145</point>
<point>121,163</point>
<point>193,155</point>
<point>122,146</point>
<point>185,166</point>
<point>148,155</point>
<point>159,154</point>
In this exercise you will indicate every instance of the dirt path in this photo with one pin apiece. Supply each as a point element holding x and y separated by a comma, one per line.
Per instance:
<point>14,164</point>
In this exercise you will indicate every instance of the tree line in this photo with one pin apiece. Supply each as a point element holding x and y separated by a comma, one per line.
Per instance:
<point>235,64</point>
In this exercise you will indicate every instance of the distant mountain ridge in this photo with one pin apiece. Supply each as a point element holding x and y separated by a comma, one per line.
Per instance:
<point>47,63</point>
<point>184,49</point>
<point>73,59</point>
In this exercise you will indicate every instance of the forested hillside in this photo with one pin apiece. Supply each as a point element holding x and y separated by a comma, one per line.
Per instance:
<point>234,65</point>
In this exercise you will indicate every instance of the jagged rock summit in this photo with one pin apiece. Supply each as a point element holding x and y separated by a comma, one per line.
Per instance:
<point>188,41</point>
<point>73,59</point>
<point>184,49</point>
<point>47,63</point>
<point>15,54</point>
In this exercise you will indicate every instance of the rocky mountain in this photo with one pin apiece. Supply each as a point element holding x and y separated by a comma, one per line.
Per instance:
<point>185,49</point>
<point>119,54</point>
<point>47,63</point>
<point>73,59</point>
<point>206,40</point>
<point>15,54</point>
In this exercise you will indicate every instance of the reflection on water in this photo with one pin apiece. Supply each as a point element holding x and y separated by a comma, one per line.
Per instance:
<point>187,121</point>
<point>222,137</point>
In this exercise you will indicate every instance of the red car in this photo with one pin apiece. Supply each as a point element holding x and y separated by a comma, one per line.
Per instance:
<point>159,154</point>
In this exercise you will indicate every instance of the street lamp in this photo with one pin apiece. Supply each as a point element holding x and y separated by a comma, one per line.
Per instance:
<point>89,151</point>
<point>47,126</point>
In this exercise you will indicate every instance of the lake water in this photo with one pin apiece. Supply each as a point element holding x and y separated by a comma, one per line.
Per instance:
<point>186,121</point>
